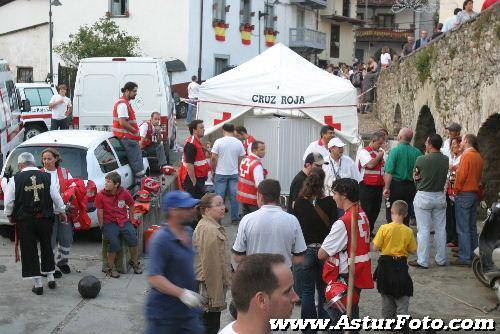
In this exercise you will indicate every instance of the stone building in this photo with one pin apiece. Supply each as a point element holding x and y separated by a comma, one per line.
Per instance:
<point>455,78</point>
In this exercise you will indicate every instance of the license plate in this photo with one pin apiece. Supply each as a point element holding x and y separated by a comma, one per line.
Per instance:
<point>98,127</point>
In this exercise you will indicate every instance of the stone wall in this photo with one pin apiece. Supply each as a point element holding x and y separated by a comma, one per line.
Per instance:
<point>453,79</point>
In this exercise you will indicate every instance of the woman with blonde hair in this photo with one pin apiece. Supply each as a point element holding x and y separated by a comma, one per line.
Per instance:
<point>212,261</point>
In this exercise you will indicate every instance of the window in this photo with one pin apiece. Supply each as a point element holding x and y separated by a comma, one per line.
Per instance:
<point>245,11</point>
<point>38,96</point>
<point>300,17</point>
<point>269,19</point>
<point>346,8</point>
<point>335,41</point>
<point>360,16</point>
<point>385,21</point>
<point>105,157</point>
<point>119,150</point>
<point>12,95</point>
<point>220,64</point>
<point>219,10</point>
<point>25,74</point>
<point>118,7</point>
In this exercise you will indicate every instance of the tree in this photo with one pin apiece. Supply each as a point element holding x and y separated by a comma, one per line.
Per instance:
<point>102,39</point>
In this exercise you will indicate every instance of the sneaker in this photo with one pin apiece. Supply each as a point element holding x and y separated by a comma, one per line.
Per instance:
<point>113,273</point>
<point>441,265</point>
<point>37,291</point>
<point>52,284</point>
<point>136,267</point>
<point>65,269</point>
<point>57,274</point>
<point>415,264</point>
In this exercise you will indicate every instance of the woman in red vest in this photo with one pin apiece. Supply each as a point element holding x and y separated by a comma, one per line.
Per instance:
<point>62,232</point>
<point>335,249</point>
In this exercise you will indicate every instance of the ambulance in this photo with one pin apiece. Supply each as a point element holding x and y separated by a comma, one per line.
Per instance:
<point>11,126</point>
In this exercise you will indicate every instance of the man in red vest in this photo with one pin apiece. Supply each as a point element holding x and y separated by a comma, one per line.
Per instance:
<point>195,165</point>
<point>371,166</point>
<point>242,134</point>
<point>153,137</point>
<point>335,249</point>
<point>251,174</point>
<point>125,127</point>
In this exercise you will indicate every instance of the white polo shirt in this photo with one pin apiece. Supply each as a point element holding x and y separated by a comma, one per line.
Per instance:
<point>334,170</point>
<point>315,146</point>
<point>59,111</point>
<point>336,242</point>
<point>270,230</point>
<point>363,158</point>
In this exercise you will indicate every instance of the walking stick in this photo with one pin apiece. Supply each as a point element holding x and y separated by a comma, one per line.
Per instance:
<point>352,257</point>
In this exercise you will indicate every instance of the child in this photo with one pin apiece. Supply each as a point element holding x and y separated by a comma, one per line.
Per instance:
<point>114,211</point>
<point>395,240</point>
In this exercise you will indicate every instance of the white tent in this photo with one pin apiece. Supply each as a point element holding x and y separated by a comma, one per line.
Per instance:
<point>279,82</point>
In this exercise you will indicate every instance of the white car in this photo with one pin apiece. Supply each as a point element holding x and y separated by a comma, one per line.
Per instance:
<point>88,154</point>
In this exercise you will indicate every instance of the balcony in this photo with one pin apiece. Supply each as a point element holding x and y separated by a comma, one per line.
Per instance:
<point>307,40</point>
<point>382,34</point>
<point>316,4</point>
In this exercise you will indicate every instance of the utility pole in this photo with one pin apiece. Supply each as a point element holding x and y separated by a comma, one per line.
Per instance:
<point>201,42</point>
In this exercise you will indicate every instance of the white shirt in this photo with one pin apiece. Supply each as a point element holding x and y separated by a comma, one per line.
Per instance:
<point>122,110</point>
<point>316,147</point>
<point>228,149</point>
<point>59,111</point>
<point>446,148</point>
<point>258,172</point>
<point>449,24</point>
<point>10,195</point>
<point>363,158</point>
<point>385,59</point>
<point>342,169</point>
<point>270,230</point>
<point>228,329</point>
<point>336,242</point>
<point>54,179</point>
<point>193,90</point>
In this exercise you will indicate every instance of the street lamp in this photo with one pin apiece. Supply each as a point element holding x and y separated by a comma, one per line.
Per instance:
<point>261,15</point>
<point>51,33</point>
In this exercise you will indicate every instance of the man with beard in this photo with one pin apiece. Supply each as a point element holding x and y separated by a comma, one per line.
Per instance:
<point>262,289</point>
<point>173,306</point>
<point>125,127</point>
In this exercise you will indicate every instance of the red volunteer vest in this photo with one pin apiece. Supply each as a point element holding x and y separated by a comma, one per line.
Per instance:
<point>373,176</point>
<point>149,134</point>
<point>247,191</point>
<point>201,165</point>
<point>118,130</point>
<point>363,267</point>
<point>248,142</point>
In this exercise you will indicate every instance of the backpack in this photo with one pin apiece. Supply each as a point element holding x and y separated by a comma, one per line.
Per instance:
<point>356,79</point>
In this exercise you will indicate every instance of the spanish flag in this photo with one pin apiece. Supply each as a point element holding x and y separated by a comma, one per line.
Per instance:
<point>270,39</point>
<point>220,32</point>
<point>246,36</point>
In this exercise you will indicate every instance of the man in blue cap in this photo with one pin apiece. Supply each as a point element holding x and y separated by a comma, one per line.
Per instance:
<point>173,306</point>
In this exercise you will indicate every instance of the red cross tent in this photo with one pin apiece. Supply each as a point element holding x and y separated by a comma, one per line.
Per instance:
<point>283,100</point>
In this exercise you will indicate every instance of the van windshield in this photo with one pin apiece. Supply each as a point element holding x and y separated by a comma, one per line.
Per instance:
<point>73,158</point>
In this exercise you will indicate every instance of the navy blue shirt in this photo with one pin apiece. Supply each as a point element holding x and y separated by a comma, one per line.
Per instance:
<point>170,258</point>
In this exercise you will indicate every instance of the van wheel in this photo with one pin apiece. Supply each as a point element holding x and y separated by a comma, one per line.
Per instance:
<point>32,131</point>
<point>181,111</point>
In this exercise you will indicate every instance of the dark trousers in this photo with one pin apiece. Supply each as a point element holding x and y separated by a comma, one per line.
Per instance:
<point>451,223</point>
<point>197,190</point>
<point>335,315</point>
<point>30,233</point>
<point>211,321</point>
<point>186,326</point>
<point>59,124</point>
<point>248,208</point>
<point>371,201</point>
<point>405,191</point>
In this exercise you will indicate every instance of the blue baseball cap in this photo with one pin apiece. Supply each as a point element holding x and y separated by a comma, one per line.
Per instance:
<point>178,199</point>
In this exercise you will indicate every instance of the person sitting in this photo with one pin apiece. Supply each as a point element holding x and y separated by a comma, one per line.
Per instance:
<point>152,138</point>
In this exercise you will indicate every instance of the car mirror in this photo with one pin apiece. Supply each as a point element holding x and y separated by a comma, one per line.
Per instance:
<point>26,105</point>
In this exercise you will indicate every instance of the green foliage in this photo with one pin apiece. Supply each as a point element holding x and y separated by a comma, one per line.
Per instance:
<point>102,39</point>
<point>437,100</point>
<point>423,63</point>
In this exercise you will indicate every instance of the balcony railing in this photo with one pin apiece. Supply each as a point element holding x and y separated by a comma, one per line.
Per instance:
<point>317,4</point>
<point>307,39</point>
<point>382,34</point>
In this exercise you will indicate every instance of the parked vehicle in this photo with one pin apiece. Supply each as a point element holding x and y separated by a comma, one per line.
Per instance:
<point>11,127</point>
<point>37,119</point>
<point>98,84</point>
<point>486,263</point>
<point>89,155</point>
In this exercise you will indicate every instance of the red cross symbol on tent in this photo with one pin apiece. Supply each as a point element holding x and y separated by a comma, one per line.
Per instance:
<point>225,117</point>
<point>329,121</point>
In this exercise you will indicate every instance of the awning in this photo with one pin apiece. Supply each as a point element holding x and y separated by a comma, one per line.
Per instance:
<point>340,18</point>
<point>175,65</point>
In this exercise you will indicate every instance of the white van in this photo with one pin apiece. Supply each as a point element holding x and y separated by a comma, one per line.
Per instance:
<point>98,84</point>
<point>11,127</point>
<point>37,119</point>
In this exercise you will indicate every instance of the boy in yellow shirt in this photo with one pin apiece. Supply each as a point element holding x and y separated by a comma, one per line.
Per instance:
<point>396,241</point>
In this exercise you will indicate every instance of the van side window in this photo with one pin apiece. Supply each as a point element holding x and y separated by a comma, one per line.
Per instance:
<point>32,95</point>
<point>45,95</point>
<point>119,150</point>
<point>11,92</point>
<point>105,157</point>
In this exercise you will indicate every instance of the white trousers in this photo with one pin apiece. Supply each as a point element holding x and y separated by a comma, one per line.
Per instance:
<point>430,211</point>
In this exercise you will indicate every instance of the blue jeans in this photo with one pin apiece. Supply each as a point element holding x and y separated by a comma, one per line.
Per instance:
<point>466,217</point>
<point>187,326</point>
<point>312,281</point>
<point>229,184</point>
<point>191,112</point>
<point>335,315</point>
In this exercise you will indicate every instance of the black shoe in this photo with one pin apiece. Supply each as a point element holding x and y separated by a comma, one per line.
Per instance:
<point>37,291</point>
<point>57,274</point>
<point>65,268</point>
<point>415,264</point>
<point>52,284</point>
